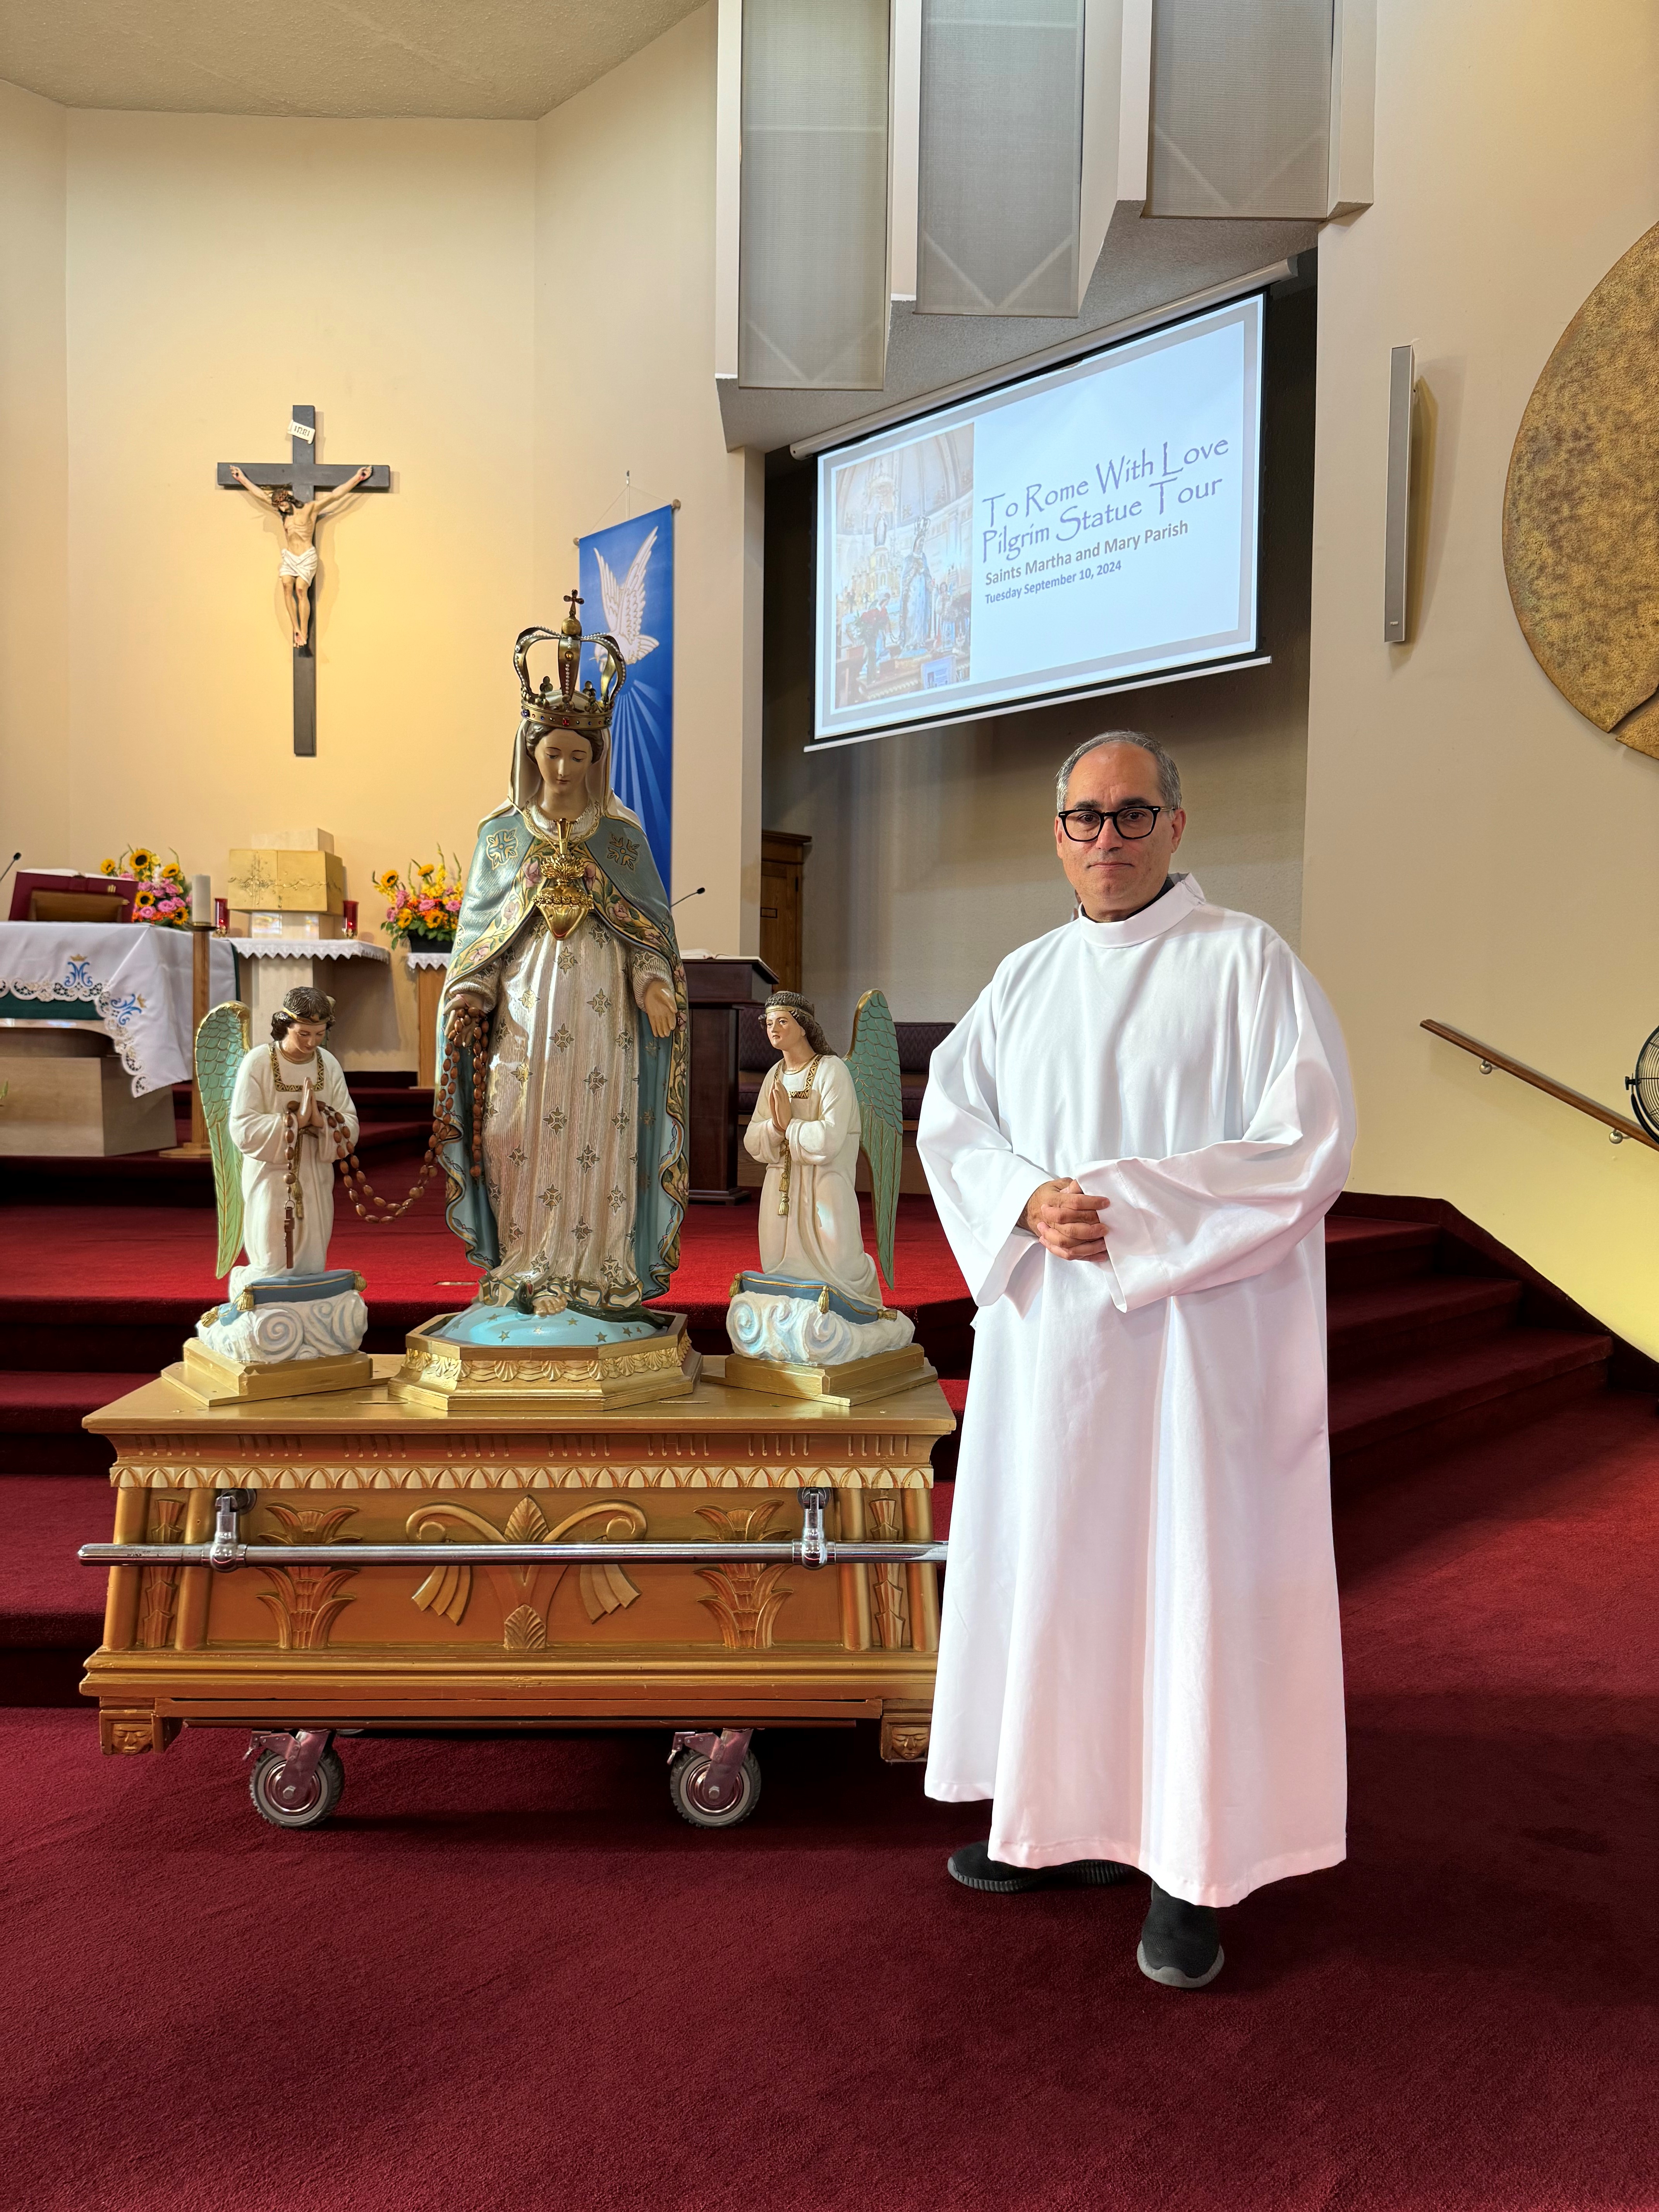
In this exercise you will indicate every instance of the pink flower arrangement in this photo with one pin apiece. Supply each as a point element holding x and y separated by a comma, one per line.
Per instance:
<point>426,909</point>
<point>161,898</point>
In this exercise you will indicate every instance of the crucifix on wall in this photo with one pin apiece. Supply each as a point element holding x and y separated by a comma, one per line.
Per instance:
<point>302,489</point>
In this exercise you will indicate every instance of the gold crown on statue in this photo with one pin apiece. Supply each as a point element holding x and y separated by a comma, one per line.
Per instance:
<point>586,711</point>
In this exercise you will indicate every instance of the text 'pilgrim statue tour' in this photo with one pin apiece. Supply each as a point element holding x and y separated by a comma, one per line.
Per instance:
<point>1133,1138</point>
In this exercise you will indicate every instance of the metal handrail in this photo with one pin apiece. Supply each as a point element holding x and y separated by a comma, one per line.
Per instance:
<point>347,1555</point>
<point>1490,1058</point>
<point>226,1549</point>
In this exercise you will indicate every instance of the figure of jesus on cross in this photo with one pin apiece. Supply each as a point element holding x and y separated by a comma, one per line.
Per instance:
<point>299,561</point>
<point>302,489</point>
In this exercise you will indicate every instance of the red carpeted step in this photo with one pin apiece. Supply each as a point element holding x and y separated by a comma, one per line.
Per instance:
<point>48,1601</point>
<point>40,1417</point>
<point>1387,1322</point>
<point>55,1404</point>
<point>1361,1250</point>
<point>139,1301</point>
<point>161,1179</point>
<point>1525,1369</point>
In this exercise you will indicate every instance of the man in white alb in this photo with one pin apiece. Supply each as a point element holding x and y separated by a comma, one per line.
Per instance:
<point>1133,1138</point>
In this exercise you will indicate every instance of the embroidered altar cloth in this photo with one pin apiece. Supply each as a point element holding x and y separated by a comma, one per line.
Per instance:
<point>131,980</point>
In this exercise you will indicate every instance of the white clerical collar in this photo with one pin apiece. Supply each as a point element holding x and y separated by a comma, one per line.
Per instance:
<point>1166,910</point>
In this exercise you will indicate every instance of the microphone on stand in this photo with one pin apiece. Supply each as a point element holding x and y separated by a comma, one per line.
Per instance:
<point>9,865</point>
<point>698,893</point>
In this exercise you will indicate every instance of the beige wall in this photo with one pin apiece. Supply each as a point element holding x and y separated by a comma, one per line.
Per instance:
<point>33,477</point>
<point>624,332</point>
<point>933,854</point>
<point>1476,851</point>
<point>511,315</point>
<point>221,269</point>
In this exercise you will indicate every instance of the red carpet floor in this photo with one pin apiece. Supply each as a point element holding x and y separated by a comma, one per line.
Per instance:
<point>506,1977</point>
<point>63,1252</point>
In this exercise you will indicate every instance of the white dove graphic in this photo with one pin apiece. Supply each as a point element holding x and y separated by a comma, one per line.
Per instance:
<point>624,603</point>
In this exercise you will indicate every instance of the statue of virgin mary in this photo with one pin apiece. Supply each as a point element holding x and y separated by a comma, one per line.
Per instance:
<point>565,944</point>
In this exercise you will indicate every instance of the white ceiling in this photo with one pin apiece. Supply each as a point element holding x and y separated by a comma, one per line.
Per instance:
<point>484,58</point>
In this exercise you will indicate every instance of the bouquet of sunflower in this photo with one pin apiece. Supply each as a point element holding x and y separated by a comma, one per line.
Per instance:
<point>423,905</point>
<point>162,897</point>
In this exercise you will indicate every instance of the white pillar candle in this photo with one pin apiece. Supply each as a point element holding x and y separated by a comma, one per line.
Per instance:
<point>201,901</point>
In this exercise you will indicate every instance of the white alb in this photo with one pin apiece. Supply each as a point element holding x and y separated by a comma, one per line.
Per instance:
<point>1140,1655</point>
<point>267,1085</point>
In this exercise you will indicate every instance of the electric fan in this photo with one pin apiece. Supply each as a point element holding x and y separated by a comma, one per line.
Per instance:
<point>1643,1086</point>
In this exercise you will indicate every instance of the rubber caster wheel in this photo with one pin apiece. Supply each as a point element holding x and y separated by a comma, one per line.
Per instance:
<point>713,1802</point>
<point>327,1782</point>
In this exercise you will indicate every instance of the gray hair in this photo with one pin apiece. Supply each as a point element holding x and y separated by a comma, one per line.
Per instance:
<point>1168,775</point>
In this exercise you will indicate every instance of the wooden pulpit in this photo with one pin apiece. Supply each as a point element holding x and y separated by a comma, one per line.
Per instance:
<point>716,989</point>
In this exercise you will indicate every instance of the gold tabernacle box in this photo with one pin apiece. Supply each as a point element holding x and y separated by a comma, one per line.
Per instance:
<point>446,1644</point>
<point>261,878</point>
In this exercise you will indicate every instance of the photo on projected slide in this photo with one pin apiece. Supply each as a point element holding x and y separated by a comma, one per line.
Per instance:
<point>903,524</point>
<point>1067,532</point>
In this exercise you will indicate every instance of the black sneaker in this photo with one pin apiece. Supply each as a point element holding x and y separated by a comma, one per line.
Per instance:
<point>975,1869</point>
<point>1180,1943</point>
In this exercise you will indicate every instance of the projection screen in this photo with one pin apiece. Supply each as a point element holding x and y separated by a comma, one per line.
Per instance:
<point>1063,534</point>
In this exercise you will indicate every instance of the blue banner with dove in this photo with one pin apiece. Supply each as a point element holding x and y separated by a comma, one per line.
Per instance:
<point>626,576</point>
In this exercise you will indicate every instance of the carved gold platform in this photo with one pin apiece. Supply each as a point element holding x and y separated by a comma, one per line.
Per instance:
<point>444,1377</point>
<point>725,1645</point>
<point>853,1383</point>
<point>204,1378</point>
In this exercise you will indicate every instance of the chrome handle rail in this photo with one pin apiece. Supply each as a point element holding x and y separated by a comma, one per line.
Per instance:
<point>833,1553</point>
<point>227,1550</point>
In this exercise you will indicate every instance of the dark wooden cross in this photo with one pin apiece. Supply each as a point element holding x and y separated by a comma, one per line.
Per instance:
<point>305,476</point>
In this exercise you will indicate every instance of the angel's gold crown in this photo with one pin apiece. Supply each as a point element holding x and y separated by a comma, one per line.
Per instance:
<point>585,711</point>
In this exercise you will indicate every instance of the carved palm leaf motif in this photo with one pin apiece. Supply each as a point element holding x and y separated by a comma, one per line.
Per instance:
<point>523,1630</point>
<point>747,1600</point>
<point>525,1592</point>
<point>889,1605</point>
<point>159,1587</point>
<point>306,1601</point>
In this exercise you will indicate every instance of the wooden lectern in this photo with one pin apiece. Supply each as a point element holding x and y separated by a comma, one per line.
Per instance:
<point>716,989</point>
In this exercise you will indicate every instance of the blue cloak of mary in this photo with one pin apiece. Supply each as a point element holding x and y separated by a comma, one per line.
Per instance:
<point>584,1133</point>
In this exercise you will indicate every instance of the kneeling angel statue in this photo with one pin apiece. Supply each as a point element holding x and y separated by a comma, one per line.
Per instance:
<point>278,1117</point>
<point>816,1303</point>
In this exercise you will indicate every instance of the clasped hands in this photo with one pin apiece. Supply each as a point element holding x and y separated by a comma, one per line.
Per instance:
<point>1066,1220</point>
<point>309,1114</point>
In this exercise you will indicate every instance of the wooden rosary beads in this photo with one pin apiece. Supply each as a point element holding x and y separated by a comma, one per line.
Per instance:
<point>295,1208</point>
<point>473,1029</point>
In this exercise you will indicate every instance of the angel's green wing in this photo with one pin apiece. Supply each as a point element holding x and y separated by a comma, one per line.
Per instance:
<point>872,1061</point>
<point>221,1045</point>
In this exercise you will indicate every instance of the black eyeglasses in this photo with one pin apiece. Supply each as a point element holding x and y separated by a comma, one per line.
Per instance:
<point>1083,824</point>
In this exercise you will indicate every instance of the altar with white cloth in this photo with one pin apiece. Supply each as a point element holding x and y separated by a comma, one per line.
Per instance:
<point>130,979</point>
<point>355,975</point>
<point>94,1031</point>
